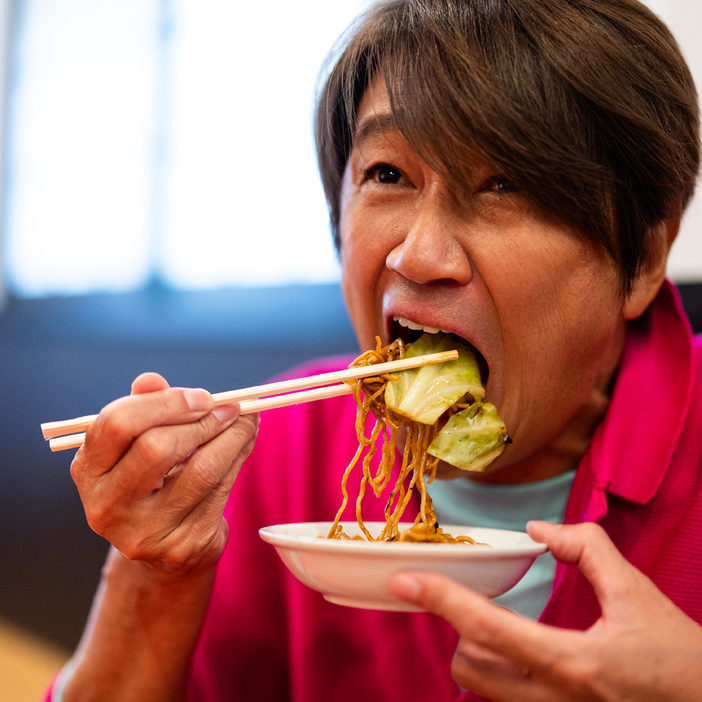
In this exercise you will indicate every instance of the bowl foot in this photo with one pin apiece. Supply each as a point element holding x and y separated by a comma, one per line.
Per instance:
<point>360,603</point>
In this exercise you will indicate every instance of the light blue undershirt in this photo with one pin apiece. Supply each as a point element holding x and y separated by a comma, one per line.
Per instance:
<point>470,503</point>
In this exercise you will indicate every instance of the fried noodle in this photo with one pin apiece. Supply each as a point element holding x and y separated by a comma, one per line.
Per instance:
<point>417,469</point>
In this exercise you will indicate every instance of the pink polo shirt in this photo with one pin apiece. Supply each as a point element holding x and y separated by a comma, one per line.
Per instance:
<point>641,478</point>
<point>268,638</point>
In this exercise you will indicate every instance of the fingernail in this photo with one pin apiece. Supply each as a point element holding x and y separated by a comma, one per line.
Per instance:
<point>226,413</point>
<point>198,399</point>
<point>406,587</point>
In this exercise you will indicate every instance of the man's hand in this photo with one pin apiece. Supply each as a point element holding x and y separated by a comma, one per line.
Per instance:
<point>642,648</point>
<point>156,470</point>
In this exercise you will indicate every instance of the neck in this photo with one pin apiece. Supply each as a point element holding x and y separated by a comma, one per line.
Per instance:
<point>565,451</point>
<point>562,455</point>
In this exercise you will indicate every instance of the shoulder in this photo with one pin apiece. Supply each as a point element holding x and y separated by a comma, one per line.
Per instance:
<point>315,366</point>
<point>297,425</point>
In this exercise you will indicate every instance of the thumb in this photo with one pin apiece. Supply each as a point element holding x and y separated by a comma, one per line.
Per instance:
<point>148,382</point>
<point>588,547</point>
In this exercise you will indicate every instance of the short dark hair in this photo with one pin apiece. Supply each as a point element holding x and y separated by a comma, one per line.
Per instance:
<point>587,106</point>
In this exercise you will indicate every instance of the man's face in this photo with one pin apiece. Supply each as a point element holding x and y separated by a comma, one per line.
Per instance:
<point>538,304</point>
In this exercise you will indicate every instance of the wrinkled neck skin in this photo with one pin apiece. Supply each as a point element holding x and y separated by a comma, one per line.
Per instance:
<point>564,452</point>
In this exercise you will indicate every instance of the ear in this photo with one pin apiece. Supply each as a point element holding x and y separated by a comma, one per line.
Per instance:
<point>652,274</point>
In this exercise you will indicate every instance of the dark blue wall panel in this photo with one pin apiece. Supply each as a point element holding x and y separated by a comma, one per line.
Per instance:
<point>63,358</point>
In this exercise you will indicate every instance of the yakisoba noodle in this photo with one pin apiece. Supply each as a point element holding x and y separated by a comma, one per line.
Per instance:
<point>417,469</point>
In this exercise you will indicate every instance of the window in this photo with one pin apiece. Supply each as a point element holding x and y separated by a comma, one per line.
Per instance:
<point>166,140</point>
<point>171,141</point>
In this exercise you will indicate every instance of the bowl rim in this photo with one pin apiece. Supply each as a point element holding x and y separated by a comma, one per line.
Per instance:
<point>274,535</point>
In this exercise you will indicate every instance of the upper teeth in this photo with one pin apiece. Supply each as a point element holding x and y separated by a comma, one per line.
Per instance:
<point>404,322</point>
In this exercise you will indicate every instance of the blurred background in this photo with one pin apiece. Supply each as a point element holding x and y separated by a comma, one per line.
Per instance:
<point>160,211</point>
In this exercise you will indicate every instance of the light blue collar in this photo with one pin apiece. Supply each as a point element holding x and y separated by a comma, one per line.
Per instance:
<point>464,501</point>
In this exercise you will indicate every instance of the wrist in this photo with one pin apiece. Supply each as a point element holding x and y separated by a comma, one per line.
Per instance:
<point>182,564</point>
<point>141,633</point>
<point>158,577</point>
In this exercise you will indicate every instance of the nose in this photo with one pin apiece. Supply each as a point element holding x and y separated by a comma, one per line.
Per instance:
<point>431,251</point>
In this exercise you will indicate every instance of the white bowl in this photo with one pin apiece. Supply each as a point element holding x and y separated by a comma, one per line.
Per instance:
<point>355,573</point>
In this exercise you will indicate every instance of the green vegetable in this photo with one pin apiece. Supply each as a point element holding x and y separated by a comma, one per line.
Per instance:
<point>424,394</point>
<point>472,438</point>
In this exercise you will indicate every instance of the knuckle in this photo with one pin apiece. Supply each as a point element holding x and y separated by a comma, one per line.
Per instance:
<point>112,421</point>
<point>185,557</point>
<point>94,521</point>
<point>101,519</point>
<point>622,589</point>
<point>436,595</point>
<point>248,447</point>
<point>205,429</point>
<point>484,627</point>
<point>134,551</point>
<point>249,427</point>
<point>206,472</point>
<point>173,551</point>
<point>577,673</point>
<point>77,470</point>
<point>593,538</point>
<point>244,432</point>
<point>462,654</point>
<point>150,448</point>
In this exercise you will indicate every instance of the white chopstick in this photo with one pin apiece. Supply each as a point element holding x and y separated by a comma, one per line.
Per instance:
<point>249,398</point>
<point>62,443</point>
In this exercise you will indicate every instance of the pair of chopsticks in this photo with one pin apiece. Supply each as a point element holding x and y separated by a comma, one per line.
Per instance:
<point>62,435</point>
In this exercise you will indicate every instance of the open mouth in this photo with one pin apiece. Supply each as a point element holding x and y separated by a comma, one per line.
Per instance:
<point>409,331</point>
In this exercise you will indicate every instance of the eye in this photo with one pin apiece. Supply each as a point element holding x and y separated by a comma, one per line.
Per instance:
<point>385,174</point>
<point>498,184</point>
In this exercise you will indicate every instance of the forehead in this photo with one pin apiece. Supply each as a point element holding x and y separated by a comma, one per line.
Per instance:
<point>374,116</point>
<point>376,124</point>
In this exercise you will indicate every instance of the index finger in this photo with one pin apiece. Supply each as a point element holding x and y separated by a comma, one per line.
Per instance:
<point>123,420</point>
<point>477,619</point>
<point>614,579</point>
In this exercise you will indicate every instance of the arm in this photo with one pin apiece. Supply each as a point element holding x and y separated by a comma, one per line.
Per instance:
<point>141,632</point>
<point>642,647</point>
<point>154,475</point>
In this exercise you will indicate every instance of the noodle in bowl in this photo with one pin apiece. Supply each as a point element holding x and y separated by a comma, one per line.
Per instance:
<point>355,573</point>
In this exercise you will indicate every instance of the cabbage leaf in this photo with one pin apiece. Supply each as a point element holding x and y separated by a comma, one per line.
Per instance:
<point>472,438</point>
<point>424,394</point>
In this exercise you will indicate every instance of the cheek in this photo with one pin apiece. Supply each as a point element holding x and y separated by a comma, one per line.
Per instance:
<point>559,308</point>
<point>354,258</point>
<point>362,266</point>
<point>351,280</point>
<point>568,337</point>
<point>549,283</point>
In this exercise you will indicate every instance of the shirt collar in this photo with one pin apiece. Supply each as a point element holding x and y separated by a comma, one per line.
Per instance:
<point>632,448</point>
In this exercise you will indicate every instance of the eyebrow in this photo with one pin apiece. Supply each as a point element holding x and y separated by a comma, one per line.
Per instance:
<point>377,125</point>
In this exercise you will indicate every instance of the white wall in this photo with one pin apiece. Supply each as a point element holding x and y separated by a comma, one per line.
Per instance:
<point>684,17</point>
<point>5,8</point>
